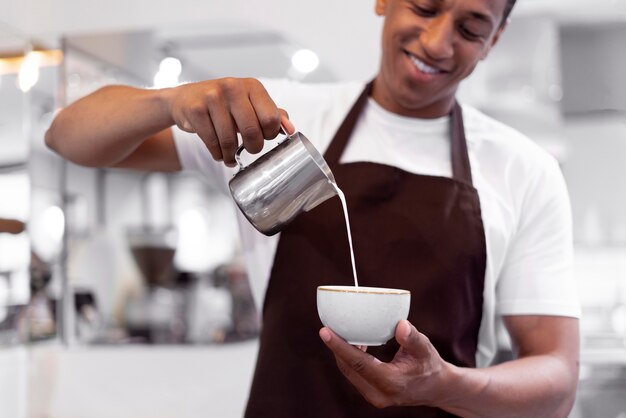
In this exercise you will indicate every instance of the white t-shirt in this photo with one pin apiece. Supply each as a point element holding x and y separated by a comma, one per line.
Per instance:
<point>524,200</point>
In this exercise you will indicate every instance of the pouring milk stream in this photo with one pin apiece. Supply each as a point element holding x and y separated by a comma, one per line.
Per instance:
<point>344,205</point>
<point>291,178</point>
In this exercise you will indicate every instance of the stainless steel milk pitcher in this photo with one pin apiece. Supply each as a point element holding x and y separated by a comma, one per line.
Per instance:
<point>289,179</point>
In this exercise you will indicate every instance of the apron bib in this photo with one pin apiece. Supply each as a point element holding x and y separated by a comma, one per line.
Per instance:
<point>415,232</point>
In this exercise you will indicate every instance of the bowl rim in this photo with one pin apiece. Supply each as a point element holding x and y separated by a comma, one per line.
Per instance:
<point>363,289</point>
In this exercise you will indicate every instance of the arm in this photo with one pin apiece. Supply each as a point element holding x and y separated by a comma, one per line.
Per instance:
<point>541,382</point>
<point>129,127</point>
<point>108,126</point>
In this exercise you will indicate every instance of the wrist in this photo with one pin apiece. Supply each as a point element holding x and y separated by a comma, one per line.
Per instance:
<point>458,385</point>
<point>164,98</point>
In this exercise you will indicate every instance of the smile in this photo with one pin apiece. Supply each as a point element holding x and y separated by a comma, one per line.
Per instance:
<point>422,66</point>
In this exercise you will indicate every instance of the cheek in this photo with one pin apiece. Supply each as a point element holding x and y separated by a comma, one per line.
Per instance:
<point>469,58</point>
<point>482,52</point>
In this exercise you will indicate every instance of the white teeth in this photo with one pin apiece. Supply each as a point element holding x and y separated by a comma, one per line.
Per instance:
<point>423,67</point>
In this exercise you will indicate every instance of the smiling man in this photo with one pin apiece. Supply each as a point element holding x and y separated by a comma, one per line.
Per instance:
<point>429,47</point>
<point>469,215</point>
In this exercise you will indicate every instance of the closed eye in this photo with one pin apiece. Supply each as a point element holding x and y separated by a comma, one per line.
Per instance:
<point>468,34</point>
<point>424,12</point>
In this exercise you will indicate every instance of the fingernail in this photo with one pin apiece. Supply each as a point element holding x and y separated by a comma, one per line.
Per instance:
<point>407,329</point>
<point>325,335</point>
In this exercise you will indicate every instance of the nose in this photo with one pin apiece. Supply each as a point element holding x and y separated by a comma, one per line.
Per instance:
<point>437,38</point>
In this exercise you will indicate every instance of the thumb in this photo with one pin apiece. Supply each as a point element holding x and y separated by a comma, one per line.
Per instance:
<point>411,340</point>
<point>286,123</point>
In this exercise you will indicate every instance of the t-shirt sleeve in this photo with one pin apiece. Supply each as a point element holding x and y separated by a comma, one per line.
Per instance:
<point>195,156</point>
<point>537,276</point>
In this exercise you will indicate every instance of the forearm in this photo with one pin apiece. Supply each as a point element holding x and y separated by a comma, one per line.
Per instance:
<point>105,127</point>
<point>537,386</point>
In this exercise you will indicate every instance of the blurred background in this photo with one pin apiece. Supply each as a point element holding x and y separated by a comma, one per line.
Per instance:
<point>123,294</point>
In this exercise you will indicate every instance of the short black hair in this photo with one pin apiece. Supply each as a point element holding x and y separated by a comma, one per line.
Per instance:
<point>507,10</point>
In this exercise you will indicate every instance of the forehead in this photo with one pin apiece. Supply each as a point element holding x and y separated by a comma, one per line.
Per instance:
<point>494,9</point>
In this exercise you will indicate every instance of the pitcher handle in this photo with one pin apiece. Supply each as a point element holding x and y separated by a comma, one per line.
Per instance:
<point>241,148</point>
<point>238,157</point>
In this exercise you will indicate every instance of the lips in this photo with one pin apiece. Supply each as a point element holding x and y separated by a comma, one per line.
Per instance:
<point>422,66</point>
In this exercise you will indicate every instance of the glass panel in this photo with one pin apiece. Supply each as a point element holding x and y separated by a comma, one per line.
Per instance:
<point>31,217</point>
<point>151,257</point>
<point>14,189</point>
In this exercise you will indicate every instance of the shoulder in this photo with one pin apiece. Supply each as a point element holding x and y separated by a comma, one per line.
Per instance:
<point>316,109</point>
<point>304,101</point>
<point>514,173</point>
<point>287,89</point>
<point>496,143</point>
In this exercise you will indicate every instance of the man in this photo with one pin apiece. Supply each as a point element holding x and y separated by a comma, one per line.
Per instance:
<point>412,164</point>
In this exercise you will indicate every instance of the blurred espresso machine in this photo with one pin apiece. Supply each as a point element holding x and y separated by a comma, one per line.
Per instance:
<point>182,306</point>
<point>158,315</point>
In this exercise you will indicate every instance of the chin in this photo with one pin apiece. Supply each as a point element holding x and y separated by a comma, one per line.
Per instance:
<point>411,100</point>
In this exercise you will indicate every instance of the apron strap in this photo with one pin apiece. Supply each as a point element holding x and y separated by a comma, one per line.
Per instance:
<point>458,146</point>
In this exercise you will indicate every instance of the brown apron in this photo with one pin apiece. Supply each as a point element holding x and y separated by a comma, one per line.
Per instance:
<point>416,232</point>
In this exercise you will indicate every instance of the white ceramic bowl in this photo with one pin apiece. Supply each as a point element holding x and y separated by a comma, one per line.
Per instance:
<point>362,315</point>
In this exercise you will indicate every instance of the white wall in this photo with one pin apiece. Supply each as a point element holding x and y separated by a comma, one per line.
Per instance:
<point>596,178</point>
<point>344,33</point>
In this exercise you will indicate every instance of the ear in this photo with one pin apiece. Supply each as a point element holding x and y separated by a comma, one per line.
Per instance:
<point>380,7</point>
<point>494,40</point>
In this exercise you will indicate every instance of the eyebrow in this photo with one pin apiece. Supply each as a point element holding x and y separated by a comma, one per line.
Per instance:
<point>482,17</point>
<point>476,15</point>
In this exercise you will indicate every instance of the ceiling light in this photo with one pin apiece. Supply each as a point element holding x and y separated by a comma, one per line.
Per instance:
<point>305,61</point>
<point>169,71</point>
<point>54,220</point>
<point>29,71</point>
<point>12,63</point>
<point>46,231</point>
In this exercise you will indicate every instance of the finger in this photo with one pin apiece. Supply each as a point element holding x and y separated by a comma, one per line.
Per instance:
<point>411,340</point>
<point>354,369</point>
<point>202,125</point>
<point>284,121</point>
<point>358,362</point>
<point>371,393</point>
<point>185,125</point>
<point>267,112</point>
<point>247,124</point>
<point>226,131</point>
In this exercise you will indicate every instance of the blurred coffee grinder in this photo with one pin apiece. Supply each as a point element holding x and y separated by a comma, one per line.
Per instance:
<point>158,316</point>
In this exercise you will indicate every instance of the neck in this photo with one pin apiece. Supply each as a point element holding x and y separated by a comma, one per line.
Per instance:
<point>404,106</point>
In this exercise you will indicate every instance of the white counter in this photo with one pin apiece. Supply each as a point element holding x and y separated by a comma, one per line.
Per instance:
<point>144,381</point>
<point>140,381</point>
<point>13,382</point>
